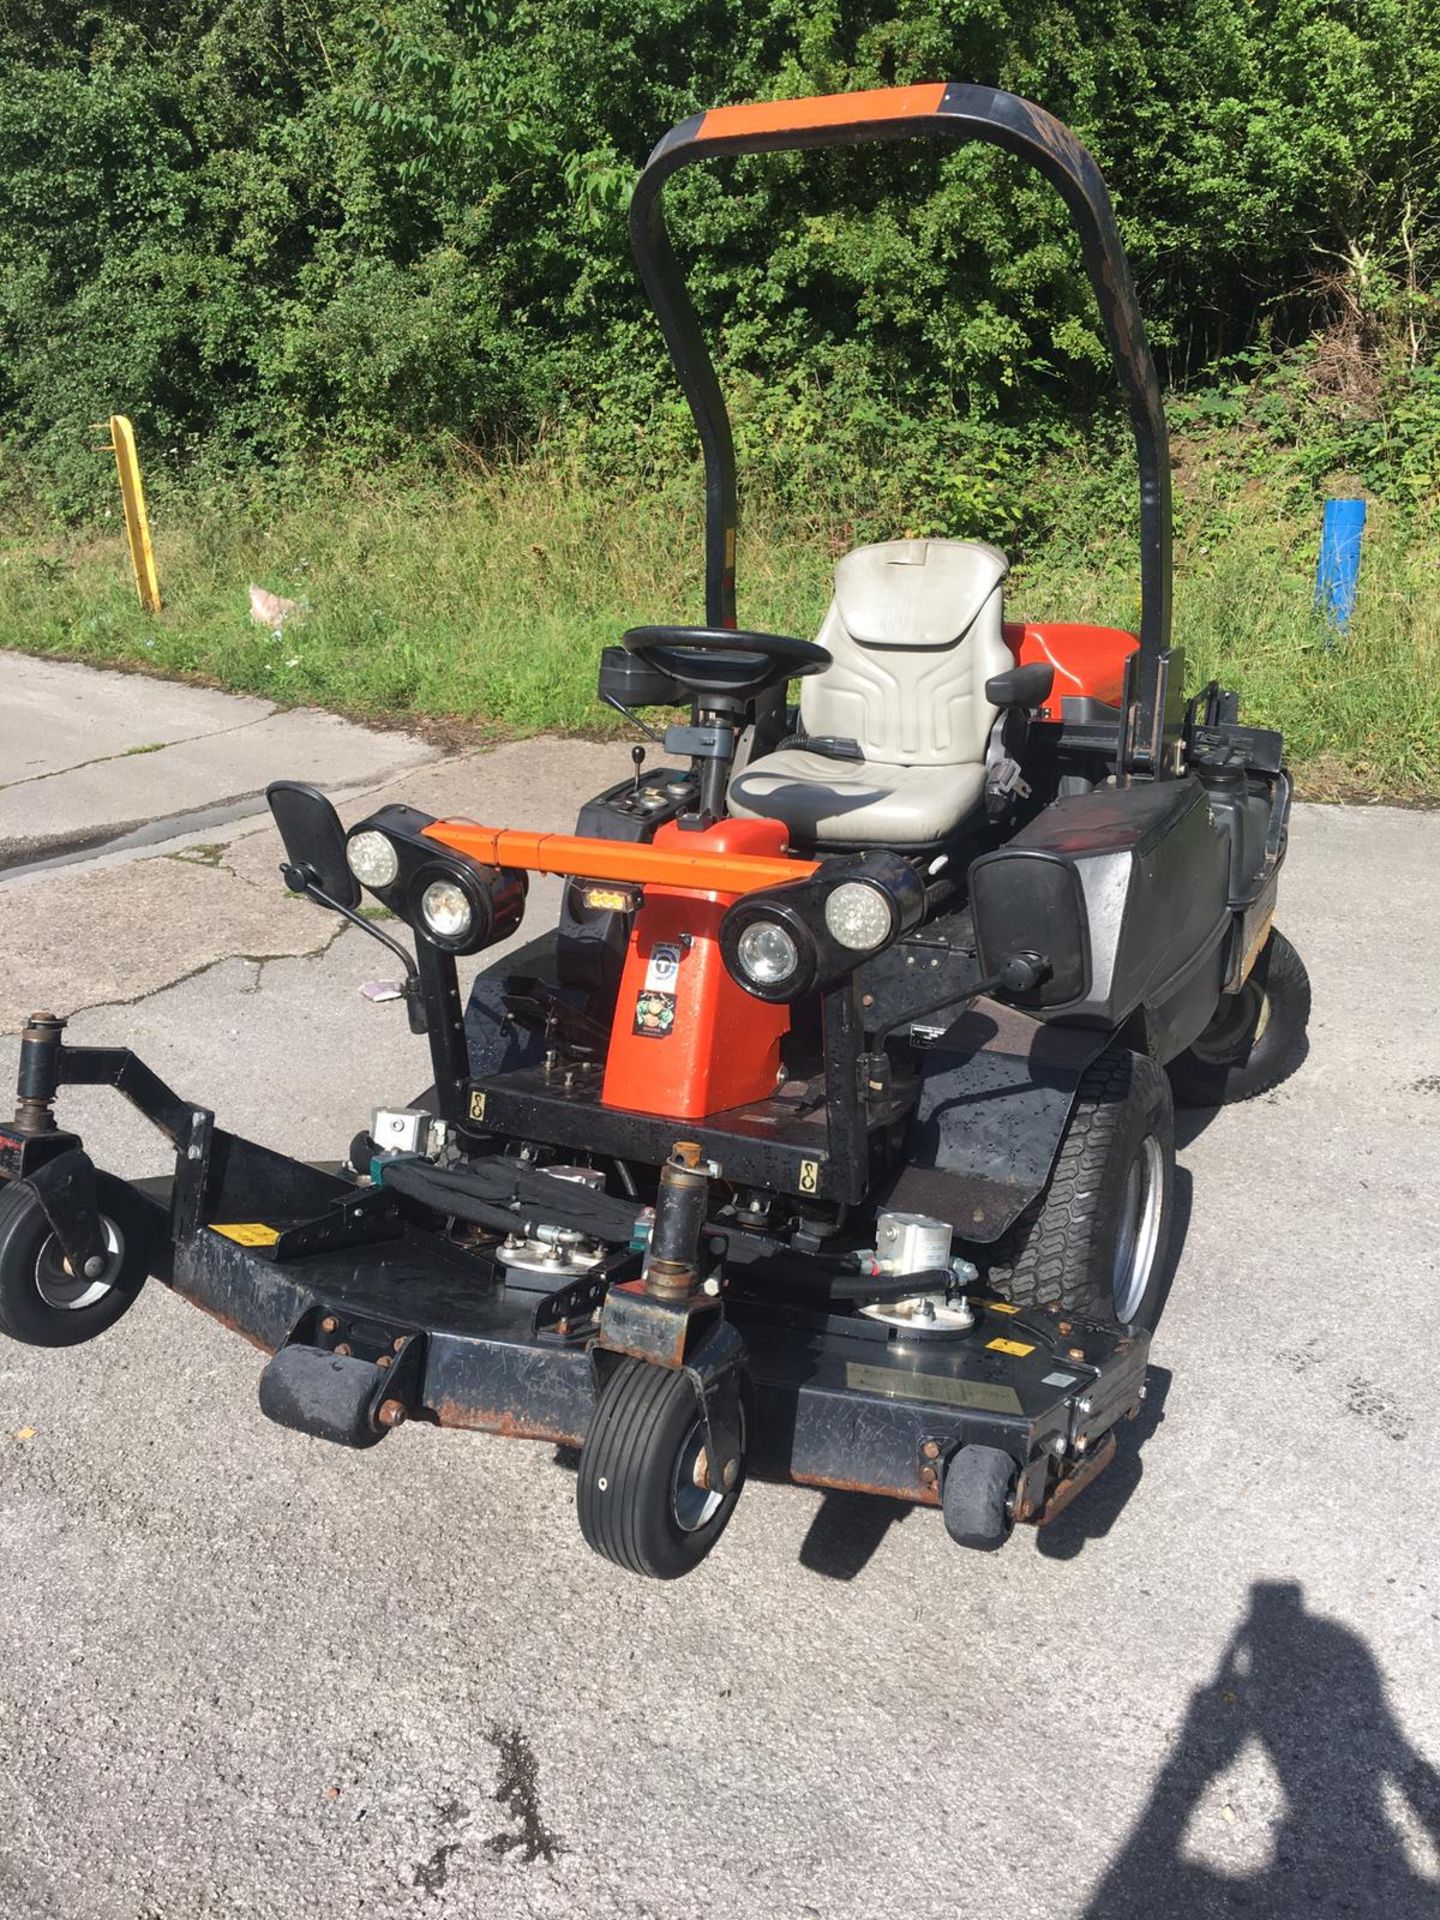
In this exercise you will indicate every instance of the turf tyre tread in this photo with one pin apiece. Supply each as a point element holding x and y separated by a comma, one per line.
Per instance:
<point>1054,1253</point>
<point>642,1418</point>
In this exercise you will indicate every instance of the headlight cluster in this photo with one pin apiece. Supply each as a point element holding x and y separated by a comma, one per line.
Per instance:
<point>785,941</point>
<point>373,859</point>
<point>455,903</point>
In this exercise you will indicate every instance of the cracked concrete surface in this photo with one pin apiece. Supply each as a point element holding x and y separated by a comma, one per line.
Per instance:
<point>99,799</point>
<point>111,927</point>
<point>56,715</point>
<point>249,1673</point>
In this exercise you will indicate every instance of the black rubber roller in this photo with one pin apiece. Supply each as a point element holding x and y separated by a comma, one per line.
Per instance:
<point>327,1395</point>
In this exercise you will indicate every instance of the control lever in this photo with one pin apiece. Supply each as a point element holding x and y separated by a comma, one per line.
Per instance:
<point>637,758</point>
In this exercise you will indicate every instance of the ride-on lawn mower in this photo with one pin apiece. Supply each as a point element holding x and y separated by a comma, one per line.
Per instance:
<point>830,1133</point>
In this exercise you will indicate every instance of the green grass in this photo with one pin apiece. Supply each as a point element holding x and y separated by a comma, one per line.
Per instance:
<point>486,601</point>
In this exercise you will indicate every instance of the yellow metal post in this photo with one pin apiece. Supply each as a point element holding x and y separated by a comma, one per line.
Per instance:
<point>137,521</point>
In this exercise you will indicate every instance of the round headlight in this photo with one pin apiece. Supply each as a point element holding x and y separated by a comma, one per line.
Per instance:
<point>372,858</point>
<point>767,953</point>
<point>859,917</point>
<point>446,910</point>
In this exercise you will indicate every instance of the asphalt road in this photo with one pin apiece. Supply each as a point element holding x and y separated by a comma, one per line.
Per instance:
<point>249,1674</point>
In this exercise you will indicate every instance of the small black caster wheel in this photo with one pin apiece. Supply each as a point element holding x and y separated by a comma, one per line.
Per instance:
<point>41,1301</point>
<point>648,1498</point>
<point>979,1498</point>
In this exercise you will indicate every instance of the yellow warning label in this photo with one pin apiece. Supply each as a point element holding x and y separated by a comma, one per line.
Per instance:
<point>1016,1347</point>
<point>477,1106</point>
<point>249,1233</point>
<point>809,1176</point>
<point>1000,1306</point>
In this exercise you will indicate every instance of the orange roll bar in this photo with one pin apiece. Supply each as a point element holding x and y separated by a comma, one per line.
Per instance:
<point>821,110</point>
<point>641,864</point>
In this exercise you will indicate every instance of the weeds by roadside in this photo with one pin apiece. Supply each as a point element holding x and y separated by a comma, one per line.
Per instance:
<point>485,600</point>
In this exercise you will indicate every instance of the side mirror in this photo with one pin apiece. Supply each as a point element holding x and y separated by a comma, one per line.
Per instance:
<point>314,843</point>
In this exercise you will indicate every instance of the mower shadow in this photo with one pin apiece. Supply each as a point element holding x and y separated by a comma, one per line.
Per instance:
<point>1190,1123</point>
<point>1098,1508</point>
<point>847,1532</point>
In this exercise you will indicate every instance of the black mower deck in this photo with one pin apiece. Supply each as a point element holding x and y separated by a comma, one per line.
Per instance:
<point>841,1400</point>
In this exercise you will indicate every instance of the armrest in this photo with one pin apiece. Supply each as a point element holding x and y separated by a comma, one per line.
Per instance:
<point>1028,686</point>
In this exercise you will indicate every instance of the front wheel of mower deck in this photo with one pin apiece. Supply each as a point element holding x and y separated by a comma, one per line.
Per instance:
<point>978,1500</point>
<point>643,1491</point>
<point>41,1302</point>
<point>1257,1038</point>
<point>1096,1241</point>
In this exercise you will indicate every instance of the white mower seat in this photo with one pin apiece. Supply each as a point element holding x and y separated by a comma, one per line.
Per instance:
<point>914,632</point>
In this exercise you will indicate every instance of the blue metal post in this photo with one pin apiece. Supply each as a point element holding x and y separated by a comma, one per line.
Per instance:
<point>1338,574</point>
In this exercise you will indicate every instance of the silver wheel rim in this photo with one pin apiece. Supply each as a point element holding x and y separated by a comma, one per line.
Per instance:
<point>1227,1041</point>
<point>60,1289</point>
<point>1139,1238</point>
<point>693,1504</point>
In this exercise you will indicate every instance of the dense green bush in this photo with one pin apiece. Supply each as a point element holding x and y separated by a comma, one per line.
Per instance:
<point>368,231</point>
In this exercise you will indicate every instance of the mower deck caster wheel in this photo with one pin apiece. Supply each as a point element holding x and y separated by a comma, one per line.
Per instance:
<point>42,1303</point>
<point>978,1500</point>
<point>648,1498</point>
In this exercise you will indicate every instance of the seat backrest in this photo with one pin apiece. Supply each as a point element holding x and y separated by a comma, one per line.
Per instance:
<point>914,632</point>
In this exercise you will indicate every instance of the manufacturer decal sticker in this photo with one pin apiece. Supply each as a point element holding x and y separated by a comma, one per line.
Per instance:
<point>939,1387</point>
<point>654,1014</point>
<point>664,968</point>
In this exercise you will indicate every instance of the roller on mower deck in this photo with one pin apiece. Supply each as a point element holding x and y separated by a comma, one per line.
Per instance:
<point>829,1135</point>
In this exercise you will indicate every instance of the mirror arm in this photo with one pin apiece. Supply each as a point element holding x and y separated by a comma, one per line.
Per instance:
<point>414,1003</point>
<point>609,700</point>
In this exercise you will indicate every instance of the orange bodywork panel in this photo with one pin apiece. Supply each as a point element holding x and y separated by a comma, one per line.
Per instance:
<point>1087,660</point>
<point>687,1040</point>
<point>822,110</point>
<point>672,859</point>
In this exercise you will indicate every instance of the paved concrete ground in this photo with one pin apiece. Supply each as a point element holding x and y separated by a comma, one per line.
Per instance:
<point>249,1674</point>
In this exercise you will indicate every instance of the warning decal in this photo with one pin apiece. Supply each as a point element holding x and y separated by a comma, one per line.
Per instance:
<point>248,1233</point>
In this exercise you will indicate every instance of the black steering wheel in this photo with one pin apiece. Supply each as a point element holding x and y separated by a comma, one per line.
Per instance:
<point>726,661</point>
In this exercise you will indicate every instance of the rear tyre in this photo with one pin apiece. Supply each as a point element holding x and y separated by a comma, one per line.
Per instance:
<point>1095,1242</point>
<point>978,1499</point>
<point>1257,1038</point>
<point>642,1490</point>
<point>41,1302</point>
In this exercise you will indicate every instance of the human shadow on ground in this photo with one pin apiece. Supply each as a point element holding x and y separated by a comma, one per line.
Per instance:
<point>1309,1690</point>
